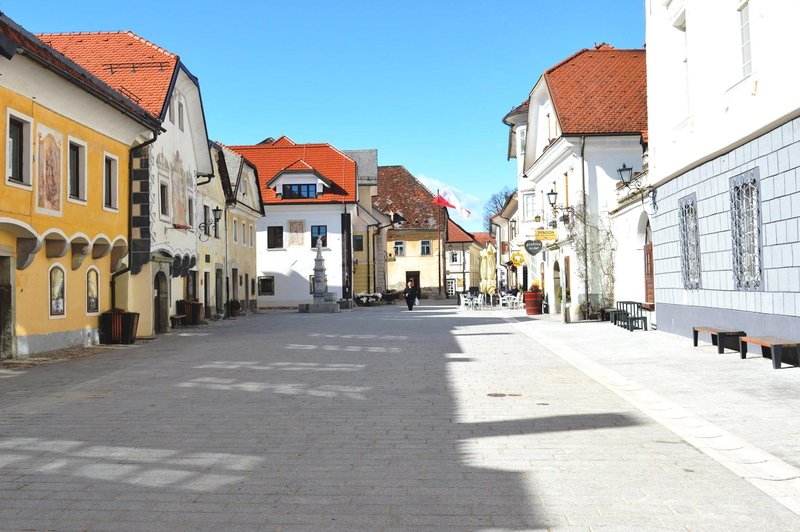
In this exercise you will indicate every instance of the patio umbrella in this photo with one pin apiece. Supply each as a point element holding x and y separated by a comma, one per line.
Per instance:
<point>491,270</point>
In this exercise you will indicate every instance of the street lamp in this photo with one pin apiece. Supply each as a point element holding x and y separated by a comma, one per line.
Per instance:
<point>552,197</point>
<point>205,227</point>
<point>626,176</point>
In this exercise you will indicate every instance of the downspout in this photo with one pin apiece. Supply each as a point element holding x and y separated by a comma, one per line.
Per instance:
<point>130,217</point>
<point>585,223</point>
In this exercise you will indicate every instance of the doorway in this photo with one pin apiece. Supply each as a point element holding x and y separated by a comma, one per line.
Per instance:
<point>207,293</point>
<point>235,280</point>
<point>219,296</point>
<point>161,304</point>
<point>414,276</point>
<point>557,290</point>
<point>649,275</point>
<point>6,322</point>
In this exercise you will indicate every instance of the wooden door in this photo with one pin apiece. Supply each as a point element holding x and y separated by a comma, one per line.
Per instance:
<point>649,280</point>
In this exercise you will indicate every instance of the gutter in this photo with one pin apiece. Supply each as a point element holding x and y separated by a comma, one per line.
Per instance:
<point>130,216</point>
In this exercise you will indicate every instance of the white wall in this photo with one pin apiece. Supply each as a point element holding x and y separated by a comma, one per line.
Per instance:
<point>292,266</point>
<point>699,101</point>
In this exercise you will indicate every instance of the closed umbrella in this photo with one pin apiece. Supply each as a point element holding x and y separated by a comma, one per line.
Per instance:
<point>484,271</point>
<point>491,270</point>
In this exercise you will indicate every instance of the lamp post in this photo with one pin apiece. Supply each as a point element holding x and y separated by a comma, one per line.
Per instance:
<point>206,226</point>
<point>552,197</point>
<point>626,176</point>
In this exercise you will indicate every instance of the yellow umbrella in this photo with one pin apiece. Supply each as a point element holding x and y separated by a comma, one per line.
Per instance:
<point>491,270</point>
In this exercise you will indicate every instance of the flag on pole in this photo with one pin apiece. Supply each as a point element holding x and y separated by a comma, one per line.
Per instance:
<point>451,198</point>
<point>439,200</point>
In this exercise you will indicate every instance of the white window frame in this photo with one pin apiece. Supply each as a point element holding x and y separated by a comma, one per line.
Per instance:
<point>63,269</point>
<point>164,203</point>
<point>27,143</point>
<point>422,244</point>
<point>746,48</point>
<point>528,206</point>
<point>83,151</point>
<point>180,115</point>
<point>96,270</point>
<point>454,254</point>
<point>399,248</point>
<point>171,110</point>
<point>114,194</point>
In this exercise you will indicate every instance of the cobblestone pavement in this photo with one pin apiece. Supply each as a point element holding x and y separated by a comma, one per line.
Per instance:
<point>384,419</point>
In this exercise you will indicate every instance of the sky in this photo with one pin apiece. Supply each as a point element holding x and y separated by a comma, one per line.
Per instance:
<point>425,82</point>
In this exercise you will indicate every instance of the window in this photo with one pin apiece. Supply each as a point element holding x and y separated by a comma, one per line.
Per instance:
<point>57,291</point>
<point>190,209</point>
<point>746,230</point>
<point>266,285</point>
<point>299,191</point>
<point>217,224</point>
<point>454,257</point>
<point>399,248</point>
<point>252,236</point>
<point>18,150</point>
<point>180,116</point>
<point>358,243</point>
<point>275,237</point>
<point>521,134</point>
<point>206,220</point>
<point>744,25</point>
<point>172,110</point>
<point>425,247</point>
<point>319,232</point>
<point>235,231</point>
<point>163,199</point>
<point>528,206</point>
<point>110,182</point>
<point>244,234</point>
<point>77,170</point>
<point>690,243</point>
<point>92,291</point>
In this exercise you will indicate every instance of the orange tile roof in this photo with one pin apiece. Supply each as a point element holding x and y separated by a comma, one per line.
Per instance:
<point>134,66</point>
<point>456,234</point>
<point>483,238</point>
<point>600,91</point>
<point>284,155</point>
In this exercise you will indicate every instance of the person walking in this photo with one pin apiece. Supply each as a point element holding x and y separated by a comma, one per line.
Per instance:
<point>410,293</point>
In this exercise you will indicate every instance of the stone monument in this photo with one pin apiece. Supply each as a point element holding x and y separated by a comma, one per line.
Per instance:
<point>323,301</point>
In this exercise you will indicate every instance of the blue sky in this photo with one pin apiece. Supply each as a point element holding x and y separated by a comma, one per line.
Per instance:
<point>425,82</point>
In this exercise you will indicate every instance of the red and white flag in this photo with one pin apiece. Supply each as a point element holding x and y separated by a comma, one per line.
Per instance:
<point>439,200</point>
<point>454,202</point>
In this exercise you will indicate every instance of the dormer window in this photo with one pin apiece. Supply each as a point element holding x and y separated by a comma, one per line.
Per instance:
<point>299,191</point>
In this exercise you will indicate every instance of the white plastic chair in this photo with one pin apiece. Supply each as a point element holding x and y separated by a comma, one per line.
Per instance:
<point>477,303</point>
<point>464,301</point>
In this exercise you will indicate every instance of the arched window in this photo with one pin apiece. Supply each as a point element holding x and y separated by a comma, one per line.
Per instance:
<point>58,291</point>
<point>92,291</point>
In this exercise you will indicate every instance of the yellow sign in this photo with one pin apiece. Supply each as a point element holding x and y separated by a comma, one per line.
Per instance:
<point>517,259</point>
<point>546,234</point>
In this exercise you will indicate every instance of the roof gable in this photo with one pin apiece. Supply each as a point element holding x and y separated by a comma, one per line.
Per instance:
<point>136,67</point>
<point>457,235</point>
<point>600,91</point>
<point>330,165</point>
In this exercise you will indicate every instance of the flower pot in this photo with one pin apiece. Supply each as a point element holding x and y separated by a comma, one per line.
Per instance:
<point>118,327</point>
<point>533,302</point>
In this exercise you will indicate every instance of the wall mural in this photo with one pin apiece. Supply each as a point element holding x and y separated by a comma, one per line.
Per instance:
<point>56,291</point>
<point>49,167</point>
<point>179,181</point>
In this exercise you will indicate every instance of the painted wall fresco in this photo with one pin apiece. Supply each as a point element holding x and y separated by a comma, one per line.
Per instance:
<point>49,170</point>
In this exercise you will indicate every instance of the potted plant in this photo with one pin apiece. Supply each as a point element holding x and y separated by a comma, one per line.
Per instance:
<point>389,296</point>
<point>118,326</point>
<point>234,307</point>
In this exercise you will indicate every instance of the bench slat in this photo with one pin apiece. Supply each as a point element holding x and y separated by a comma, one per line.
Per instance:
<point>769,341</point>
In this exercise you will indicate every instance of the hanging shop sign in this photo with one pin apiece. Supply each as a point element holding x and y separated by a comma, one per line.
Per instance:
<point>546,234</point>
<point>517,259</point>
<point>533,246</point>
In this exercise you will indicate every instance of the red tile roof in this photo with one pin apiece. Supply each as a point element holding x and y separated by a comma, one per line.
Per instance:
<point>399,191</point>
<point>600,91</point>
<point>27,43</point>
<point>519,110</point>
<point>483,238</point>
<point>456,234</point>
<point>136,67</point>
<point>284,155</point>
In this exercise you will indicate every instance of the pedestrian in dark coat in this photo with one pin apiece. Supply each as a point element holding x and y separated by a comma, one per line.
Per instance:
<point>410,293</point>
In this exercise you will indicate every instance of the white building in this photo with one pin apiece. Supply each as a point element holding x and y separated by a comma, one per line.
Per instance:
<point>310,193</point>
<point>724,154</point>
<point>585,118</point>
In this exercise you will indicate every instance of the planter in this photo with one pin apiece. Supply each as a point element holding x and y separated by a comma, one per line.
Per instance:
<point>118,327</point>
<point>194,312</point>
<point>533,302</point>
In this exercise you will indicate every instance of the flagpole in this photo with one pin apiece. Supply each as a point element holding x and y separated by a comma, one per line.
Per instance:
<point>439,235</point>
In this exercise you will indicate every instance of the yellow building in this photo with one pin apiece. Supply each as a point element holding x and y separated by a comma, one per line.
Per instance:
<point>64,198</point>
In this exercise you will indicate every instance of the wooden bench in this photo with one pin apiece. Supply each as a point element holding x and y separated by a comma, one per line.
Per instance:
<point>771,347</point>
<point>177,319</point>
<point>722,338</point>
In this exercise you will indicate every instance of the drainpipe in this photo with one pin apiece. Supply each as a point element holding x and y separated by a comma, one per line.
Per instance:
<point>130,217</point>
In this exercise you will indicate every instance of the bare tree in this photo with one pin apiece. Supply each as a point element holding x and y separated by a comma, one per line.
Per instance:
<point>495,204</point>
